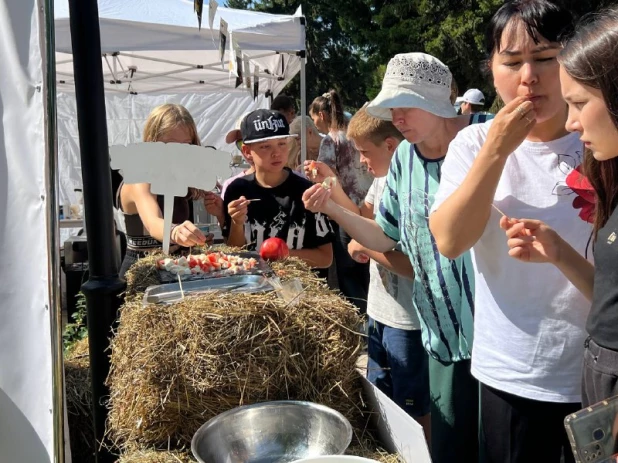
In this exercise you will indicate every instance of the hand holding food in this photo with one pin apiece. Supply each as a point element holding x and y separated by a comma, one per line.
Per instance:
<point>186,234</point>
<point>317,171</point>
<point>510,127</point>
<point>357,252</point>
<point>274,249</point>
<point>317,199</point>
<point>531,240</point>
<point>238,210</point>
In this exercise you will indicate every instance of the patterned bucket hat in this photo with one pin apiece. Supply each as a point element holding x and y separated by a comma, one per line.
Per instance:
<point>414,80</point>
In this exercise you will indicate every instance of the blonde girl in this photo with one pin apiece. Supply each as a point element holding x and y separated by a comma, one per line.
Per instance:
<point>168,123</point>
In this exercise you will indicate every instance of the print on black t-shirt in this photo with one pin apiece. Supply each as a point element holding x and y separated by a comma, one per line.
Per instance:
<point>279,213</point>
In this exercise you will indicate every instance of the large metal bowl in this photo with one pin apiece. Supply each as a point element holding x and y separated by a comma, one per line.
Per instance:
<point>272,432</point>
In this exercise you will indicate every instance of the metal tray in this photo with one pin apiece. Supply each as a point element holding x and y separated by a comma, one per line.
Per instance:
<point>260,269</point>
<point>170,292</point>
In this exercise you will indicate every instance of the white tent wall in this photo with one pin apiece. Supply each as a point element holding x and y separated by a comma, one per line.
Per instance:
<point>160,38</point>
<point>26,421</point>
<point>174,62</point>
<point>214,113</point>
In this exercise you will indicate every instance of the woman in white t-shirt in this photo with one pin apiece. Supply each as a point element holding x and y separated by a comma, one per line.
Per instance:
<point>529,320</point>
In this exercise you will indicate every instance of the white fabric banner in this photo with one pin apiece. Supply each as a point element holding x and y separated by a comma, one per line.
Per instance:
<point>26,426</point>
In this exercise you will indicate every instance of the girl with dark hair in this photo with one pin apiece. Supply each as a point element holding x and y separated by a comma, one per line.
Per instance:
<point>341,156</point>
<point>589,78</point>
<point>528,321</point>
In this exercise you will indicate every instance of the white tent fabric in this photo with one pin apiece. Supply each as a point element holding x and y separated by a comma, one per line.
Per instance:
<point>162,40</point>
<point>175,62</point>
<point>26,426</point>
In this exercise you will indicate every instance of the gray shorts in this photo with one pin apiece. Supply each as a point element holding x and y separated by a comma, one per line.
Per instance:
<point>600,373</point>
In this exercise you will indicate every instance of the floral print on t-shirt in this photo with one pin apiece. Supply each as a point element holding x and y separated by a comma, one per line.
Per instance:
<point>338,153</point>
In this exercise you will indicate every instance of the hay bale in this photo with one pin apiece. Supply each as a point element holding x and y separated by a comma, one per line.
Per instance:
<point>79,402</point>
<point>176,366</point>
<point>368,447</point>
<point>154,456</point>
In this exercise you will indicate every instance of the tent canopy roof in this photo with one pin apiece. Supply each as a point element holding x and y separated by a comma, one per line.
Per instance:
<point>161,39</point>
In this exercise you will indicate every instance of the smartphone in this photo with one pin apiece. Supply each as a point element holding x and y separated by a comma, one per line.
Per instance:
<point>592,432</point>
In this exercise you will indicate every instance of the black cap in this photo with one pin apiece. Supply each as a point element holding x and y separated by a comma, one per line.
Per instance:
<point>264,124</point>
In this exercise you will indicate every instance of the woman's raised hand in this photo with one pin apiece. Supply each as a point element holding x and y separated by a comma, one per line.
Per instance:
<point>510,127</point>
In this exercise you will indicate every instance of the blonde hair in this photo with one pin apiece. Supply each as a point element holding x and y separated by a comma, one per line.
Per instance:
<point>167,117</point>
<point>294,143</point>
<point>362,125</point>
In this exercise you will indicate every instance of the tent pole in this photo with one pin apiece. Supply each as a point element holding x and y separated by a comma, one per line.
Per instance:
<point>103,287</point>
<point>303,99</point>
<point>53,236</point>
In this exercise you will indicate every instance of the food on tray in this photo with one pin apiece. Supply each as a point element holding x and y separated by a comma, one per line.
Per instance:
<point>329,182</point>
<point>208,263</point>
<point>274,249</point>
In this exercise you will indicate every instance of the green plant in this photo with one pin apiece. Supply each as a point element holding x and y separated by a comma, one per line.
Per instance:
<point>76,330</point>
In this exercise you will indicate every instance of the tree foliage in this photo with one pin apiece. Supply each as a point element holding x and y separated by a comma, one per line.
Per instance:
<point>349,42</point>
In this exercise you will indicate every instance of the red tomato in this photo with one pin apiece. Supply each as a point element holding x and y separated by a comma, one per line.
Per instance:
<point>193,262</point>
<point>274,249</point>
<point>206,267</point>
<point>212,258</point>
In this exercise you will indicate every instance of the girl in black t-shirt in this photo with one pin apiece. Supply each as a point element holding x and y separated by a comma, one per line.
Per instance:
<point>589,79</point>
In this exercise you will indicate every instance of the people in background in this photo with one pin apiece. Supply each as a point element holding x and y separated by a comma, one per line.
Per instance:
<point>415,96</point>
<point>529,320</point>
<point>472,102</point>
<point>235,137</point>
<point>313,138</point>
<point>268,203</point>
<point>339,154</point>
<point>589,79</point>
<point>397,361</point>
<point>169,123</point>
<point>285,105</point>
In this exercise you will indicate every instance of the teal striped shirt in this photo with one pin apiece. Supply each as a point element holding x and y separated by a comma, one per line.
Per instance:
<point>443,288</point>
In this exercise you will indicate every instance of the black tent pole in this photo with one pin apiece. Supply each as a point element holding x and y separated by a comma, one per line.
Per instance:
<point>103,286</point>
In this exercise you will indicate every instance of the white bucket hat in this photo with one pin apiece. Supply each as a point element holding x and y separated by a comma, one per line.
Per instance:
<point>414,80</point>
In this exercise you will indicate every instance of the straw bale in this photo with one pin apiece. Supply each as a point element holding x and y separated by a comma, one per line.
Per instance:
<point>369,448</point>
<point>79,402</point>
<point>154,456</point>
<point>174,367</point>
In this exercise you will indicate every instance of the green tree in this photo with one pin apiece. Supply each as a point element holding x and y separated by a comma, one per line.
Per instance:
<point>334,60</point>
<point>349,42</point>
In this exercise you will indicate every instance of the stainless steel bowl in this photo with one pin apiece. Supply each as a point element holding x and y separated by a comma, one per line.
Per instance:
<point>272,432</point>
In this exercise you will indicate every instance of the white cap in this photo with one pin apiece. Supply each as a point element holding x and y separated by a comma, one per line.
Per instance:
<point>474,96</point>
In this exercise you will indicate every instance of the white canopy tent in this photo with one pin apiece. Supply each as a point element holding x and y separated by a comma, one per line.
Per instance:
<point>153,52</point>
